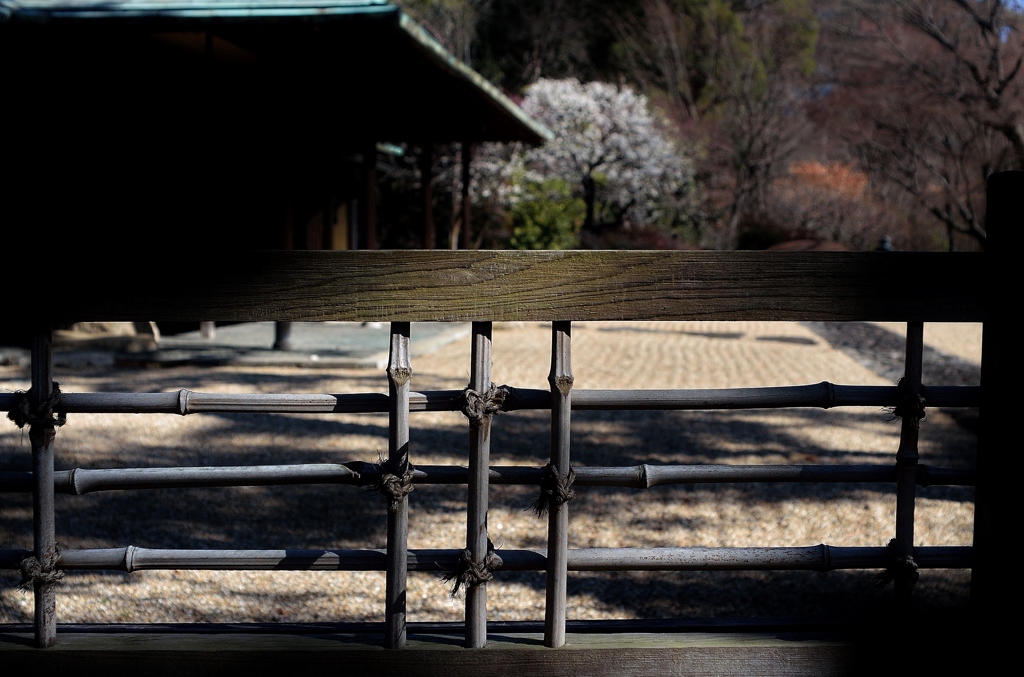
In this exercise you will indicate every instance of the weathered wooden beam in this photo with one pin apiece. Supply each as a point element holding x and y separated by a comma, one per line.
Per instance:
<point>995,507</point>
<point>535,286</point>
<point>322,650</point>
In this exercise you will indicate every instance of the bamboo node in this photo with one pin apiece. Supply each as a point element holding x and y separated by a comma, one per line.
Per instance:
<point>487,404</point>
<point>469,573</point>
<point>830,394</point>
<point>22,412</point>
<point>562,383</point>
<point>400,375</point>
<point>393,485</point>
<point>183,395</point>
<point>554,490</point>
<point>908,403</point>
<point>43,572</point>
<point>901,568</point>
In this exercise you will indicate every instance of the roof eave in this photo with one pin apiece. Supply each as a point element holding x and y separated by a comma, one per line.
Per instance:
<point>434,50</point>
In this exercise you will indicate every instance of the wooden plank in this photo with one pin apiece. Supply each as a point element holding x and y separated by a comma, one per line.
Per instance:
<point>996,509</point>
<point>777,653</point>
<point>513,285</point>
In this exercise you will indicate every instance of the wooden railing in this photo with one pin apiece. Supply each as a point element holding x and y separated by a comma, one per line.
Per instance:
<point>483,287</point>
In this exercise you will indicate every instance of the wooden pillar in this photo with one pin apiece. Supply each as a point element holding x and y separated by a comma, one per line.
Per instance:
<point>479,473</point>
<point>283,336</point>
<point>561,381</point>
<point>41,435</point>
<point>399,381</point>
<point>467,157</point>
<point>370,196</point>
<point>995,506</point>
<point>426,178</point>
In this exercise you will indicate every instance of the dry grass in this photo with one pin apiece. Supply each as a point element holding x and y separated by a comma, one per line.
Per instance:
<point>605,355</point>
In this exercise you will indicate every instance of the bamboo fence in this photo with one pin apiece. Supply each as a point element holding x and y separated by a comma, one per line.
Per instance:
<point>483,287</point>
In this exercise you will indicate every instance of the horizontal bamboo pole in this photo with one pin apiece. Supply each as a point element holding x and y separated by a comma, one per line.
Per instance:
<point>819,395</point>
<point>646,476</point>
<point>807,558</point>
<point>358,473</point>
<point>822,395</point>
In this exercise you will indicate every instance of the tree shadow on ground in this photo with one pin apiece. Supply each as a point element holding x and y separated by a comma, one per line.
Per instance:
<point>329,516</point>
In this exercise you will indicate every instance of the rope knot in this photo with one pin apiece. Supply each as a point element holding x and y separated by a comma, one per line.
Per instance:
<point>900,568</point>
<point>468,573</point>
<point>394,487</point>
<point>478,405</point>
<point>44,572</point>
<point>908,404</point>
<point>22,412</point>
<point>554,490</point>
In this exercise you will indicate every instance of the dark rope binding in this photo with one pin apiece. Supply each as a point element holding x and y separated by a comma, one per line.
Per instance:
<point>908,405</point>
<point>468,573</point>
<point>391,486</point>
<point>478,405</point>
<point>22,412</point>
<point>44,573</point>
<point>899,569</point>
<point>554,490</point>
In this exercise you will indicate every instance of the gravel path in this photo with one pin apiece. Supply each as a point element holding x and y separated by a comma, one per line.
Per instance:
<point>605,355</point>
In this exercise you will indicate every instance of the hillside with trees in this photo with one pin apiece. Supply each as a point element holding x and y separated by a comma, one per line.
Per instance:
<point>736,123</point>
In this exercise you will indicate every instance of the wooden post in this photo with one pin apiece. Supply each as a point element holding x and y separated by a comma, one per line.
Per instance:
<point>399,378</point>
<point>370,195</point>
<point>561,381</point>
<point>44,530</point>
<point>906,462</point>
<point>426,178</point>
<point>467,157</point>
<point>283,336</point>
<point>995,506</point>
<point>479,473</point>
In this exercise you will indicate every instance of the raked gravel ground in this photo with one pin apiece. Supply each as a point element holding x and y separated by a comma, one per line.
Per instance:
<point>605,355</point>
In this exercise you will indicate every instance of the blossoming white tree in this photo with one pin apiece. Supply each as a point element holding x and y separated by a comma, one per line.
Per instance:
<point>608,146</point>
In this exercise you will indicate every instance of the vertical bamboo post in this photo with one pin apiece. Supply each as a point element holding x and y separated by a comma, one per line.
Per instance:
<point>467,157</point>
<point>43,528</point>
<point>906,462</point>
<point>561,381</point>
<point>399,377</point>
<point>995,502</point>
<point>479,466</point>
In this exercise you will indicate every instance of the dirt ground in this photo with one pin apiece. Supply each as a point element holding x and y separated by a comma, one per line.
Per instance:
<point>605,355</point>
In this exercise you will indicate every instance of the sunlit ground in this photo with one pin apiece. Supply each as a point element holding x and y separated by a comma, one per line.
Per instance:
<point>605,355</point>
